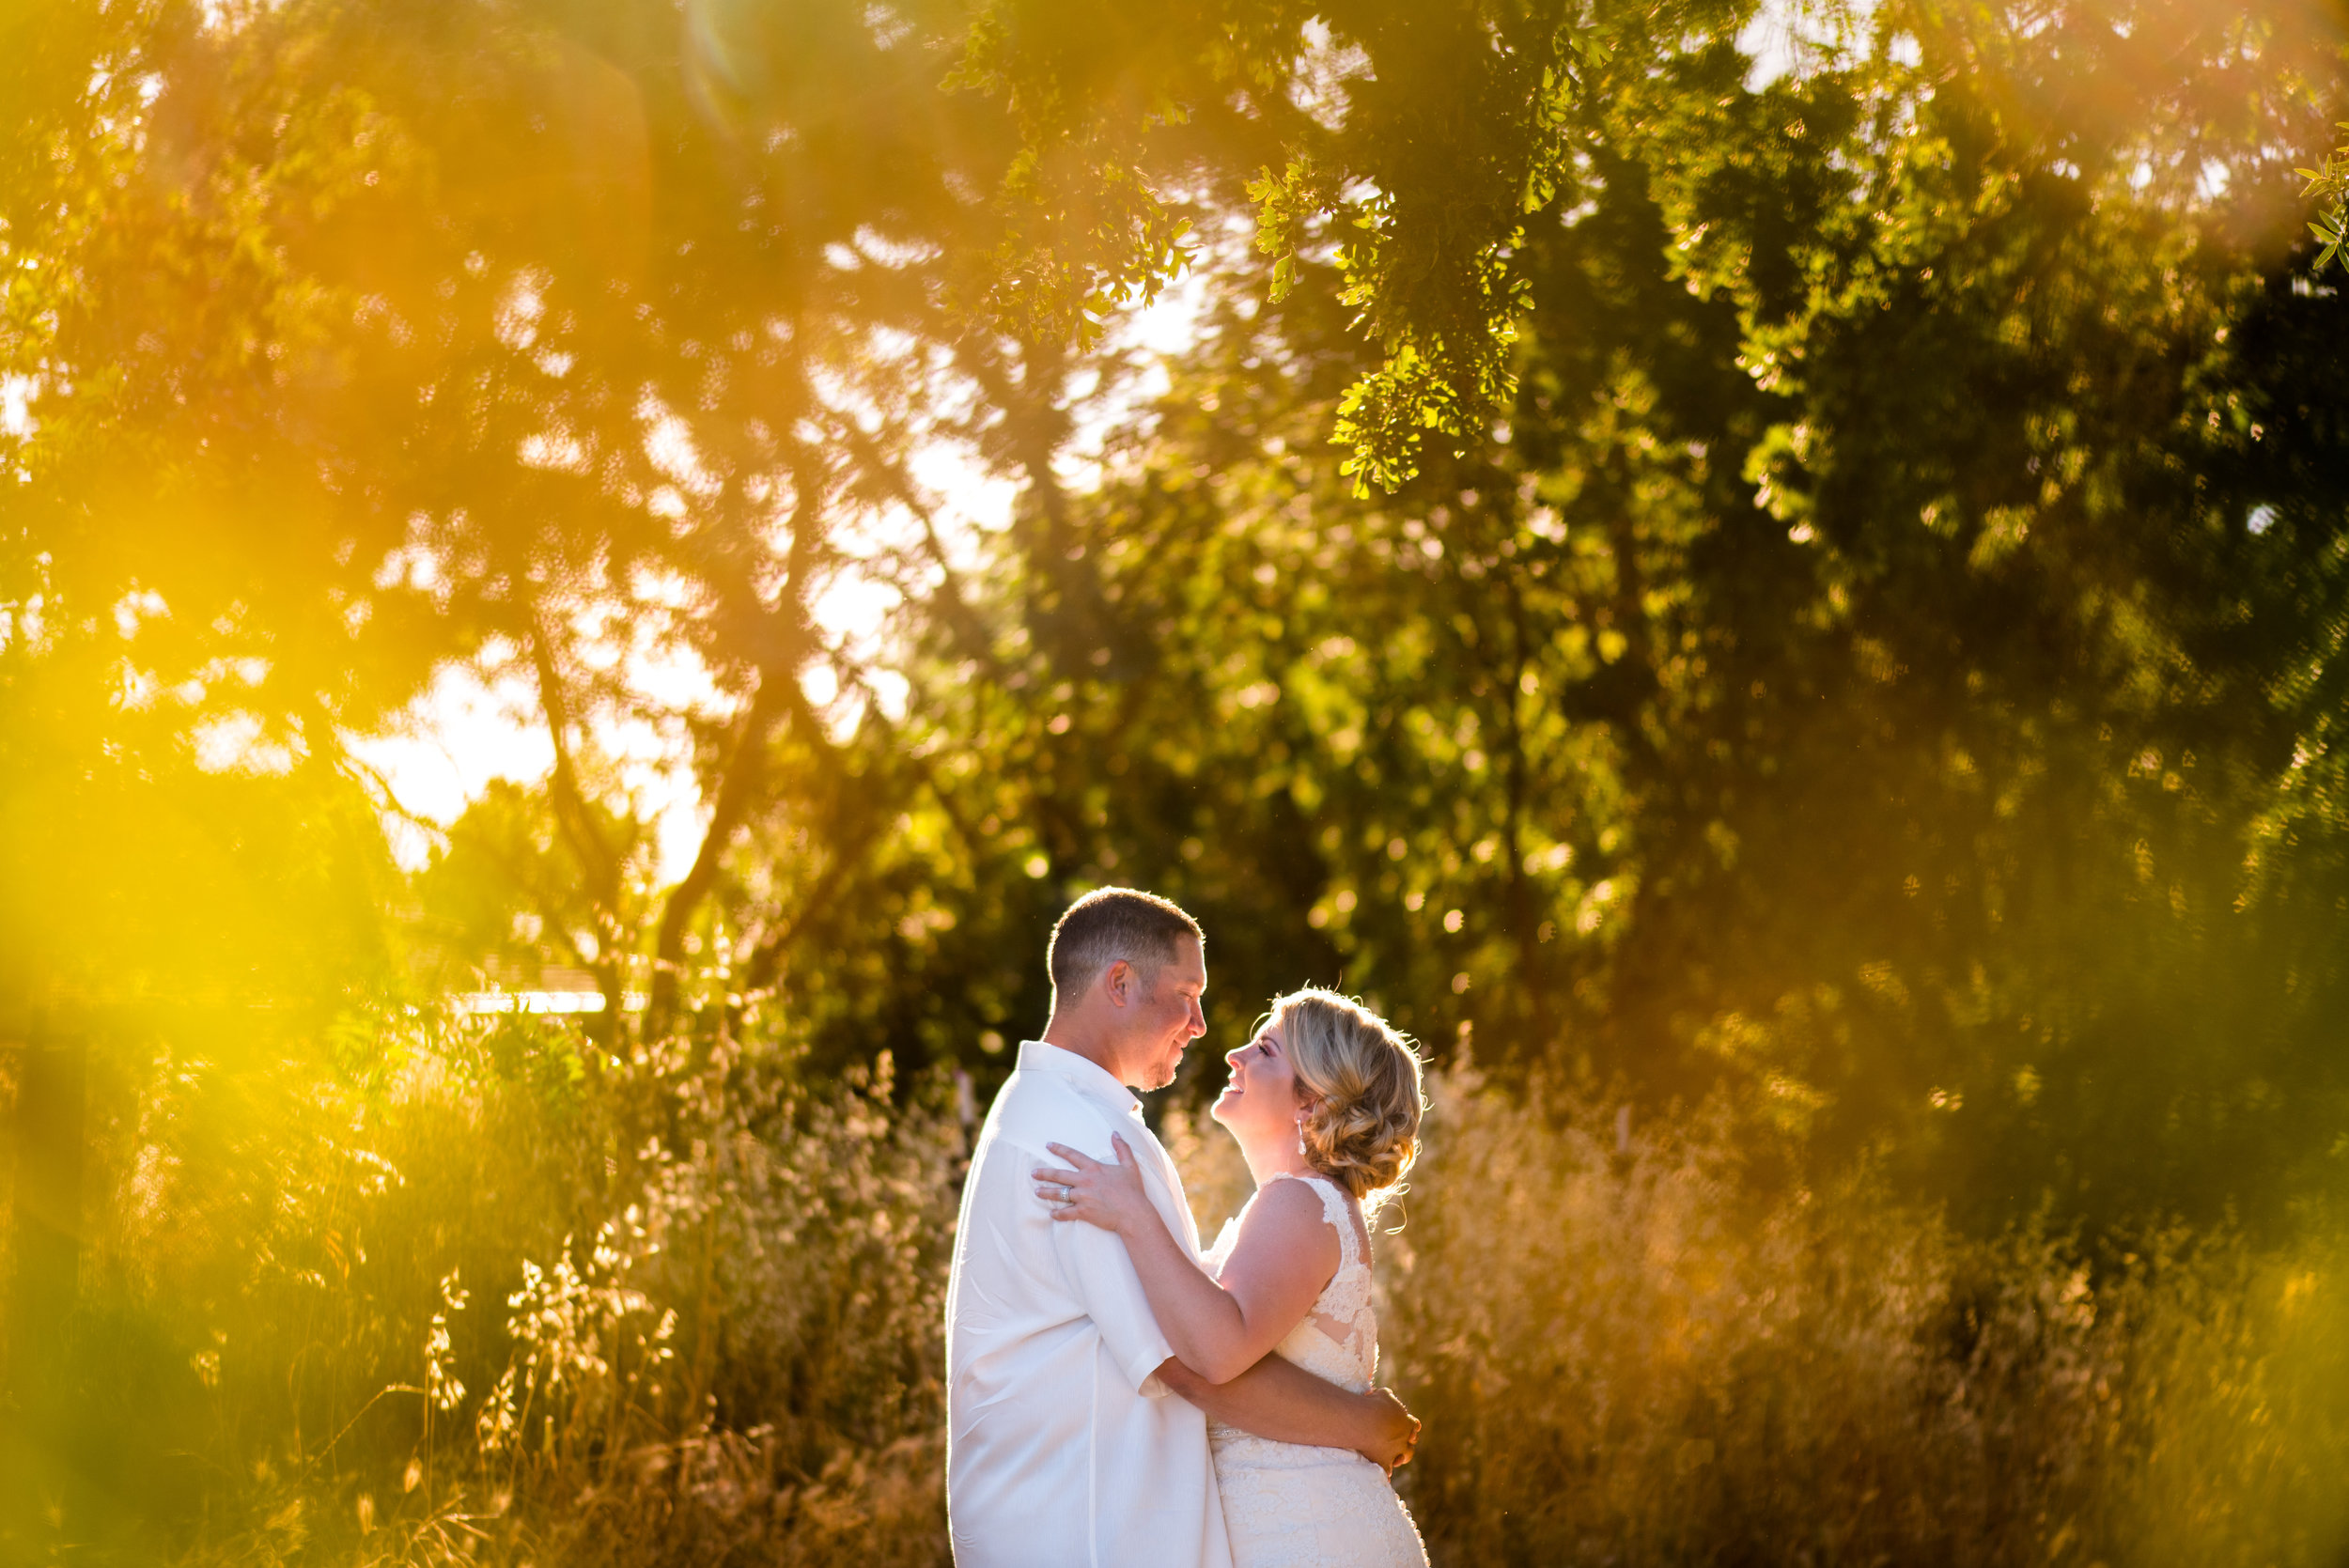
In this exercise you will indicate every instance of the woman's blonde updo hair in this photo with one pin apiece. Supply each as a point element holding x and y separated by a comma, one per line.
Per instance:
<point>1361,1128</point>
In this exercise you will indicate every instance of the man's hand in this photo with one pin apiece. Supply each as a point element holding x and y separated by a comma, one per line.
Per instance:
<point>1398,1429</point>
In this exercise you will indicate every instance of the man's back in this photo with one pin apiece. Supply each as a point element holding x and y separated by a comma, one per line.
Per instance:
<point>1063,1449</point>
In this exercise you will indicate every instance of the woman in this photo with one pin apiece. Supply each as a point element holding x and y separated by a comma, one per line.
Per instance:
<point>1325,1103</point>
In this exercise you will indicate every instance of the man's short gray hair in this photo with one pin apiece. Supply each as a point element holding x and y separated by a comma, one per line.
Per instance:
<point>1110,923</point>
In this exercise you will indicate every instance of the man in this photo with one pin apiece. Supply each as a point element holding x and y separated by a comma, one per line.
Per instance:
<point>1064,1447</point>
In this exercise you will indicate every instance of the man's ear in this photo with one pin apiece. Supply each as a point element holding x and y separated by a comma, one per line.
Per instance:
<point>1117,981</point>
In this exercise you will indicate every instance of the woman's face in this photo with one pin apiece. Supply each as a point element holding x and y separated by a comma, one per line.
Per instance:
<point>1264,1096</point>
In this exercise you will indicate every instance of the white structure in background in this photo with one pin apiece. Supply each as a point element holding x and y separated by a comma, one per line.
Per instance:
<point>554,990</point>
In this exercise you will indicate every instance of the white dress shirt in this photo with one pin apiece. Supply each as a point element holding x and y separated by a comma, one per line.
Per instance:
<point>1063,1449</point>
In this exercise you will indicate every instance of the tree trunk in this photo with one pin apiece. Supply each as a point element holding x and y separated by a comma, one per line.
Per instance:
<point>51,1092</point>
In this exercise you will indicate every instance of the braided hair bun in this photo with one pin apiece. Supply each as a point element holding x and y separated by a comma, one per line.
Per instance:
<point>1361,1128</point>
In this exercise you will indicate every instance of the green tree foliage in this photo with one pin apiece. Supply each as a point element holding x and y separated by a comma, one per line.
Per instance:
<point>1869,668</point>
<point>2330,187</point>
<point>1412,141</point>
<point>351,339</point>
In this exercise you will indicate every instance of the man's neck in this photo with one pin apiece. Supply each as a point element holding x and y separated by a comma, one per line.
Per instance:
<point>1091,1043</point>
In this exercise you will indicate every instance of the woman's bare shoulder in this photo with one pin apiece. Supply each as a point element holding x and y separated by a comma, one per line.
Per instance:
<point>1284,1222</point>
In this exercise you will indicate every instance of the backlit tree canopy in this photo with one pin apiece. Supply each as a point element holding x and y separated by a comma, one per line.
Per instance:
<point>1823,577</point>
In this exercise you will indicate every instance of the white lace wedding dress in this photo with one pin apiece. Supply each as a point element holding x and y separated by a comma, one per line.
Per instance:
<point>1289,1506</point>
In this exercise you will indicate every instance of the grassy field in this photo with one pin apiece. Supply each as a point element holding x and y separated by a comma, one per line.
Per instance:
<point>513,1300</point>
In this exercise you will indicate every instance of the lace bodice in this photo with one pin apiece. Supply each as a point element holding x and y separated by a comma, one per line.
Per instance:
<point>1338,1340</point>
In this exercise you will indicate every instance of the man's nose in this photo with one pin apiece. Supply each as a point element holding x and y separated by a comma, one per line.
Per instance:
<point>1198,1020</point>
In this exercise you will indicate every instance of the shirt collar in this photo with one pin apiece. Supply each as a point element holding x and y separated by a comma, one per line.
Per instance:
<point>1089,1077</point>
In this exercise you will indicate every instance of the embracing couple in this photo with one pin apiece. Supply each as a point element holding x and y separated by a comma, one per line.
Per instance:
<point>1117,1397</point>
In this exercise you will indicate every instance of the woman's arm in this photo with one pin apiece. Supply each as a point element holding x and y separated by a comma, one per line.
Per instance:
<point>1285,1254</point>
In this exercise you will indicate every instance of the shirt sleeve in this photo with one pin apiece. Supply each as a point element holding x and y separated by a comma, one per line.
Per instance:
<point>1102,1276</point>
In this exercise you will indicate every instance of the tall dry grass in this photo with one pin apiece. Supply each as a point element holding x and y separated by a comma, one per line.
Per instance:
<point>505,1300</point>
<point>509,1299</point>
<point>1631,1346</point>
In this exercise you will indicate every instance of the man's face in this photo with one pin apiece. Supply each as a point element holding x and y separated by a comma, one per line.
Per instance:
<point>1166,1016</point>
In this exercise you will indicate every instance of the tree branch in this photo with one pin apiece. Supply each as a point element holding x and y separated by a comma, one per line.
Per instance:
<point>743,770</point>
<point>576,818</point>
<point>738,781</point>
<point>968,630</point>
